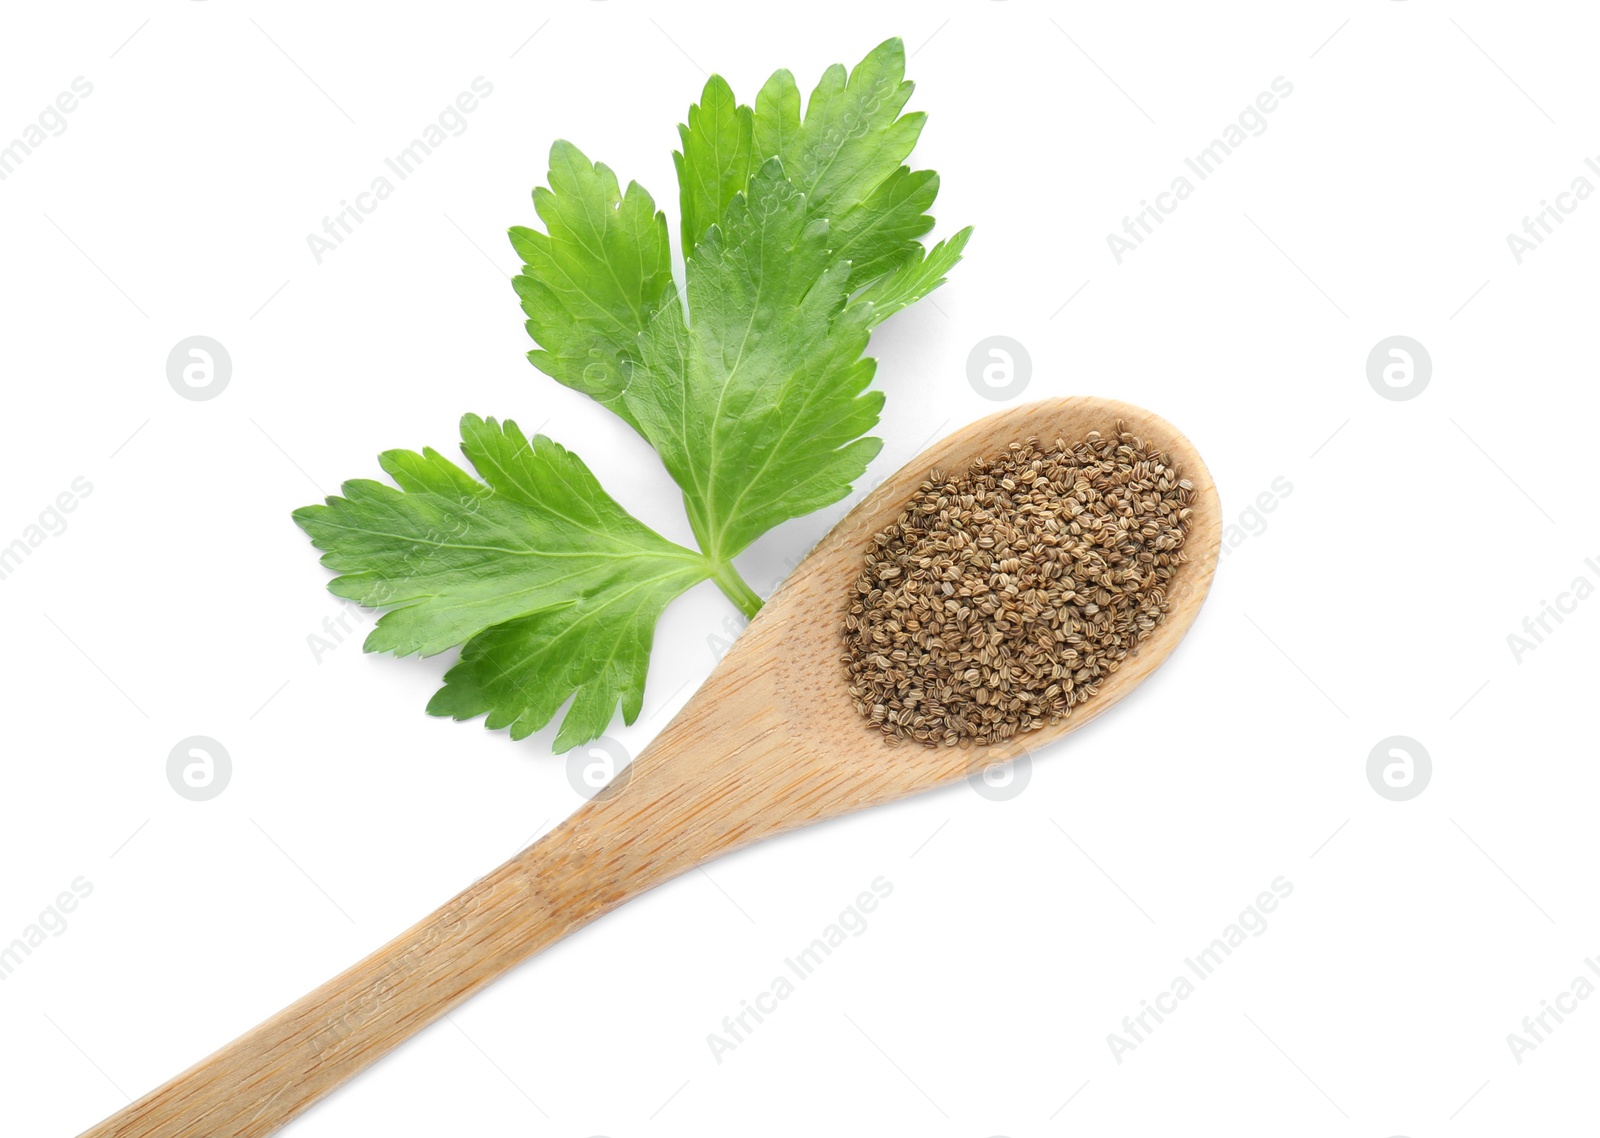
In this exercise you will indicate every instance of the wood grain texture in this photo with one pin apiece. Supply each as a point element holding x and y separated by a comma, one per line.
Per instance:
<point>769,743</point>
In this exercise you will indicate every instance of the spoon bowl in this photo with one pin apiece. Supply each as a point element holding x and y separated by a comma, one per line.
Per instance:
<point>770,742</point>
<point>781,690</point>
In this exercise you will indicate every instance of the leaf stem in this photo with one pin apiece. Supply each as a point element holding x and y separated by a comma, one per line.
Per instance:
<point>733,586</point>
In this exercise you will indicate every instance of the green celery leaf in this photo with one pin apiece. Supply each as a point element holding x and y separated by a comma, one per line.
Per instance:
<point>915,277</point>
<point>535,568</point>
<point>777,116</point>
<point>715,162</point>
<point>877,237</point>
<point>591,283</point>
<point>520,673</point>
<point>757,405</point>
<point>846,156</point>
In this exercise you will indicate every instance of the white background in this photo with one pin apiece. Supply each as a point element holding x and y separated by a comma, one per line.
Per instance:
<point>1376,602</point>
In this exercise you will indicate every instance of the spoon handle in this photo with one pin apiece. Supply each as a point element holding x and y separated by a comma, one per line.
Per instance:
<point>271,1073</point>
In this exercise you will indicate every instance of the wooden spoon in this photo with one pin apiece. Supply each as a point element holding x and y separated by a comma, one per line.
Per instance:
<point>770,742</point>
